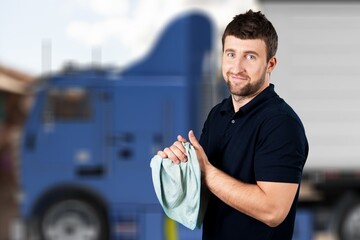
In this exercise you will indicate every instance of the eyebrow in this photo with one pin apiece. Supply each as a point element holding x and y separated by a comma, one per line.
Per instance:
<point>251,52</point>
<point>246,52</point>
<point>229,50</point>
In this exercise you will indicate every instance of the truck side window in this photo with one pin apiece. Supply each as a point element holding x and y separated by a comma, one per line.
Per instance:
<point>67,105</point>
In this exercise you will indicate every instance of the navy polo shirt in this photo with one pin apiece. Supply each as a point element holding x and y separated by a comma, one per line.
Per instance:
<point>264,141</point>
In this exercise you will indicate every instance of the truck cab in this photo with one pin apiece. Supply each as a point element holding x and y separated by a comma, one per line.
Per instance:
<point>92,131</point>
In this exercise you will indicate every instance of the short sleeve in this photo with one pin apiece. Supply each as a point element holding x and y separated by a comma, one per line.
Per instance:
<point>281,150</point>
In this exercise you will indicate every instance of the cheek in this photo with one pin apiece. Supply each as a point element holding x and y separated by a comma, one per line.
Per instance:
<point>223,71</point>
<point>226,66</point>
<point>255,70</point>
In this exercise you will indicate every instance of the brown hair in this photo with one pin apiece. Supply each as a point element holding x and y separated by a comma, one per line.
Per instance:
<point>253,25</point>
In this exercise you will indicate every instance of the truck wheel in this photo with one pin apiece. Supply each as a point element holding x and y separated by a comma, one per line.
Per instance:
<point>349,228</point>
<point>72,219</point>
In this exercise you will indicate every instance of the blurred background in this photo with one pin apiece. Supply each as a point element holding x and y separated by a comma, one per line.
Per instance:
<point>90,90</point>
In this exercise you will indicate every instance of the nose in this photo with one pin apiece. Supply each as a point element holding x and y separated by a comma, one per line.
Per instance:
<point>238,66</point>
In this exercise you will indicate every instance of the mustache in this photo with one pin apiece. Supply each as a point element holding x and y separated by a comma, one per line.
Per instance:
<point>242,75</point>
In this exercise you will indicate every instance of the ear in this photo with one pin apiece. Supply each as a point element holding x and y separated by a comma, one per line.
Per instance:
<point>271,64</point>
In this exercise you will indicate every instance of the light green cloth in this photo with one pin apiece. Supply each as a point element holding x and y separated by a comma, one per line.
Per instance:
<point>178,188</point>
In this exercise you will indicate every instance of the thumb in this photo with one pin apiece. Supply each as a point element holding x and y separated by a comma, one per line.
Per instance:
<point>193,140</point>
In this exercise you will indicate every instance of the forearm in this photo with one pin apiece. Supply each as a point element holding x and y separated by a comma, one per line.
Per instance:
<point>269,202</point>
<point>249,199</point>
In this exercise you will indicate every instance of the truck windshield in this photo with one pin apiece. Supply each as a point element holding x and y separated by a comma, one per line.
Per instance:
<point>67,105</point>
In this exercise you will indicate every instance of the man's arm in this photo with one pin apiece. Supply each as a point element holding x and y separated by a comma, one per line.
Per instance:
<point>268,202</point>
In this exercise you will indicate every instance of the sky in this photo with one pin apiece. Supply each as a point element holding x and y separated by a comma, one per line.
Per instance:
<point>43,35</point>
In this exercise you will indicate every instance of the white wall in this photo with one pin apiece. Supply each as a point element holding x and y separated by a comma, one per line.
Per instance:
<point>318,73</point>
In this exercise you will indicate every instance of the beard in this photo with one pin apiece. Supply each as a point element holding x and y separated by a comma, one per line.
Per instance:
<point>248,90</point>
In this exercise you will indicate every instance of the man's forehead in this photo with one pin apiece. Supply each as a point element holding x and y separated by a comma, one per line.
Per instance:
<point>249,44</point>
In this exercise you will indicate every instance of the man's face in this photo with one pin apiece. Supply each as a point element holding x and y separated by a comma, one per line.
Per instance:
<point>244,66</point>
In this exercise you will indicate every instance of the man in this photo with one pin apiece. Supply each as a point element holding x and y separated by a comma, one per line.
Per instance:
<point>253,145</point>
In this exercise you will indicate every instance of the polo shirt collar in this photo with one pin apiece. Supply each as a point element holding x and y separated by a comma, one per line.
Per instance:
<point>227,107</point>
<point>266,94</point>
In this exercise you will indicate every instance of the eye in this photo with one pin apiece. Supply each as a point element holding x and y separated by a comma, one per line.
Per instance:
<point>231,55</point>
<point>250,57</point>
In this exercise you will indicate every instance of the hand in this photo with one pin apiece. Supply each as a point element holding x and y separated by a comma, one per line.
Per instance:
<point>200,153</point>
<point>176,152</point>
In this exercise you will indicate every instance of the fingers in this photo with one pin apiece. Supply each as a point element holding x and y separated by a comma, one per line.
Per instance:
<point>193,140</point>
<point>200,153</point>
<point>176,152</point>
<point>162,154</point>
<point>181,138</point>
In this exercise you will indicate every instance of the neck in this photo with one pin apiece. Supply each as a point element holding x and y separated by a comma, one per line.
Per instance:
<point>240,101</point>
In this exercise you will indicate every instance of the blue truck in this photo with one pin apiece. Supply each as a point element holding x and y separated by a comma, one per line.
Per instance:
<point>91,133</point>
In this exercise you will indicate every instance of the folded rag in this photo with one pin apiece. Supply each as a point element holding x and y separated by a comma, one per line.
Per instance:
<point>178,188</point>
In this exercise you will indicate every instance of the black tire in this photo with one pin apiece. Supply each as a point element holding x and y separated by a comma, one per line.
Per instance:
<point>349,222</point>
<point>72,219</point>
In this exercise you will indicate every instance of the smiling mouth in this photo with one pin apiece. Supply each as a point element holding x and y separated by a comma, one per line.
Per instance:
<point>239,77</point>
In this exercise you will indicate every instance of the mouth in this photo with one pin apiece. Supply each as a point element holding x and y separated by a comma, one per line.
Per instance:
<point>238,77</point>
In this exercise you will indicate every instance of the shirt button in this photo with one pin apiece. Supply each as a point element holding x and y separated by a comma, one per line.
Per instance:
<point>233,121</point>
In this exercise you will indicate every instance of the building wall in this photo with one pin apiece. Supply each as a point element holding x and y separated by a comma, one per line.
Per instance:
<point>13,111</point>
